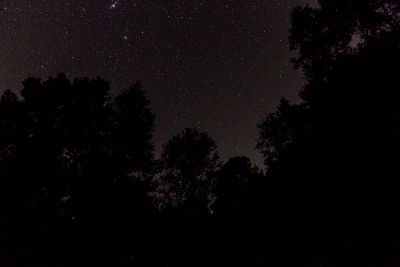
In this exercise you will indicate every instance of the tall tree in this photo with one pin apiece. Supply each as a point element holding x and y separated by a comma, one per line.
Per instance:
<point>331,159</point>
<point>187,172</point>
<point>73,161</point>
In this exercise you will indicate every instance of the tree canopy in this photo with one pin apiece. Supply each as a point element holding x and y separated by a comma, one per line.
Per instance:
<point>81,183</point>
<point>332,158</point>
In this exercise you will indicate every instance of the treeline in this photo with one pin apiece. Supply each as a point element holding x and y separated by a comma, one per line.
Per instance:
<point>80,185</point>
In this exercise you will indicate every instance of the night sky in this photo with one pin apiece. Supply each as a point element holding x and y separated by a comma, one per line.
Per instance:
<point>217,65</point>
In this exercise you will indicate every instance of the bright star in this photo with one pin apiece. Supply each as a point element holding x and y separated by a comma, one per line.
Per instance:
<point>114,4</point>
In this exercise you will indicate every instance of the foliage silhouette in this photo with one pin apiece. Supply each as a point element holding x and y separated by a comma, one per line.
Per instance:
<point>239,189</point>
<point>80,185</point>
<point>74,161</point>
<point>187,172</point>
<point>332,159</point>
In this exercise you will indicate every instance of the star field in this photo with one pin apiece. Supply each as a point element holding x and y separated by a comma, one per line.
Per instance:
<point>217,64</point>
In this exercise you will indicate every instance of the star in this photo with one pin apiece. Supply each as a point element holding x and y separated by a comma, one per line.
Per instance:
<point>114,4</point>
<point>202,63</point>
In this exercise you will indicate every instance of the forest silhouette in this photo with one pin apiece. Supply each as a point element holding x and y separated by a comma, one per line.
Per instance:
<point>80,184</point>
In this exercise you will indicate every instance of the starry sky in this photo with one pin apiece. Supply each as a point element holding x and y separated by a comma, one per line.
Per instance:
<point>218,65</point>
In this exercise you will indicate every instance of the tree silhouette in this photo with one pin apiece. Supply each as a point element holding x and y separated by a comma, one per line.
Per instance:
<point>79,184</point>
<point>187,172</point>
<point>238,188</point>
<point>331,159</point>
<point>71,158</point>
<point>338,28</point>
